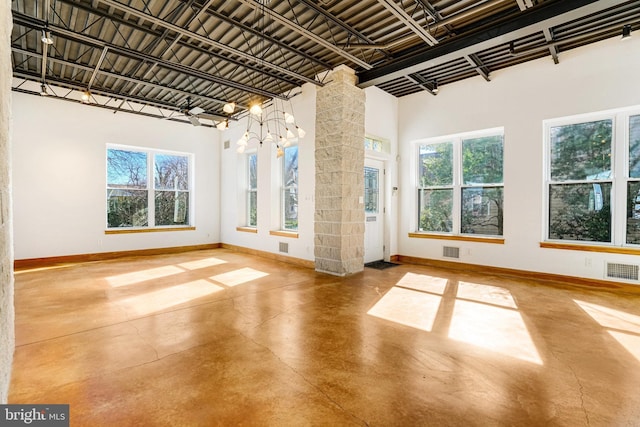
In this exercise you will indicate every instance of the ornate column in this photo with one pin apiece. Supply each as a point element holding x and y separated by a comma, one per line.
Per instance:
<point>339,156</point>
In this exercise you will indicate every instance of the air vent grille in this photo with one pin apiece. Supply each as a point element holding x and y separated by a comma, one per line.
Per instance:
<point>227,144</point>
<point>450,252</point>
<point>284,247</point>
<point>622,271</point>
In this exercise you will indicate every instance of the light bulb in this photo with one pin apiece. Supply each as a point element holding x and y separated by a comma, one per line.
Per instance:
<point>240,149</point>
<point>269,137</point>
<point>290,134</point>
<point>255,109</point>
<point>224,124</point>
<point>288,118</point>
<point>301,133</point>
<point>86,95</point>
<point>229,107</point>
<point>279,153</point>
<point>241,142</point>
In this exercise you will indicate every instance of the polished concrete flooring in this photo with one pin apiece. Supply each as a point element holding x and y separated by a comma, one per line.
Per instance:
<point>221,338</point>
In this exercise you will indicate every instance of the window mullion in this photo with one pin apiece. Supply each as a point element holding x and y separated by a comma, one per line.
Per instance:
<point>457,185</point>
<point>151,200</point>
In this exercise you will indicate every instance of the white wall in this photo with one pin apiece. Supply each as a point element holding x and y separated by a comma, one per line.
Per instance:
<point>59,177</point>
<point>593,78</point>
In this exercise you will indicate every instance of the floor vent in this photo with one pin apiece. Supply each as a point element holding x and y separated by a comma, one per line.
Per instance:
<point>284,247</point>
<point>622,271</point>
<point>450,252</point>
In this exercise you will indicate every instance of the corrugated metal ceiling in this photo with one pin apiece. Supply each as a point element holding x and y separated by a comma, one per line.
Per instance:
<point>172,54</point>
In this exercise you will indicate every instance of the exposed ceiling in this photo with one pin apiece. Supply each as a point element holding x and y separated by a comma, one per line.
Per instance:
<point>151,57</point>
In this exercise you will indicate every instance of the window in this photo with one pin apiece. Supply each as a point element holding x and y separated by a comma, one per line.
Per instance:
<point>371,192</point>
<point>289,192</point>
<point>252,190</point>
<point>593,179</point>
<point>460,184</point>
<point>133,201</point>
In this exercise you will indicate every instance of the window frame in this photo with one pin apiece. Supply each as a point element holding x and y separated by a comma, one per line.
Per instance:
<point>251,190</point>
<point>284,188</point>
<point>457,184</point>
<point>619,177</point>
<point>151,189</point>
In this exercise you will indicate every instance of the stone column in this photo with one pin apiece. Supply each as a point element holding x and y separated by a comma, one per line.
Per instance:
<point>7,340</point>
<point>339,208</point>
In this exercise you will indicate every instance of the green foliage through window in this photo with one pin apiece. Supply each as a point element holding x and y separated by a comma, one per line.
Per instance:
<point>131,198</point>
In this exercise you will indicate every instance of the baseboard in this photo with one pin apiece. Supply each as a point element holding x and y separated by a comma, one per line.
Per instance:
<point>524,274</point>
<point>394,258</point>
<point>277,257</point>
<point>24,264</point>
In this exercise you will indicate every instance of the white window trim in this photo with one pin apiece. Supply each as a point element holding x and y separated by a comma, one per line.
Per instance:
<point>283,189</point>
<point>151,153</point>
<point>249,190</point>
<point>414,174</point>
<point>619,178</point>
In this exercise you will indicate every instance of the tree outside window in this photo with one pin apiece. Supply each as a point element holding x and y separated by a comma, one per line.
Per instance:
<point>580,181</point>
<point>252,190</point>
<point>131,199</point>
<point>289,195</point>
<point>477,195</point>
<point>593,178</point>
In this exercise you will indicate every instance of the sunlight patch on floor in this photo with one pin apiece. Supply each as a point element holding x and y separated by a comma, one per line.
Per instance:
<point>238,277</point>
<point>162,299</point>
<point>408,307</point>
<point>493,328</point>
<point>623,327</point>
<point>202,263</point>
<point>143,275</point>
<point>421,282</point>
<point>480,315</point>
<point>486,293</point>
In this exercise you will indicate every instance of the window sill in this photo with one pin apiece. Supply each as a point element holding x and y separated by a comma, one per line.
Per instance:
<point>496,240</point>
<point>247,229</point>
<point>283,233</point>
<point>147,230</point>
<point>591,248</point>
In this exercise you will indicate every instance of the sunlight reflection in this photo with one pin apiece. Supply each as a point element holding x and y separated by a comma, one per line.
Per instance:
<point>486,293</point>
<point>238,277</point>
<point>497,329</point>
<point>625,326</point>
<point>202,263</point>
<point>631,342</point>
<point>611,318</point>
<point>407,307</point>
<point>481,315</point>
<point>165,298</point>
<point>143,275</point>
<point>421,282</point>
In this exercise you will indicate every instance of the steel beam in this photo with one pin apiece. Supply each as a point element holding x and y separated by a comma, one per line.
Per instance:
<point>536,19</point>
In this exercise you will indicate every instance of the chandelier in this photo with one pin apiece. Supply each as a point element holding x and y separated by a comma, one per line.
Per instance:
<point>267,119</point>
<point>270,122</point>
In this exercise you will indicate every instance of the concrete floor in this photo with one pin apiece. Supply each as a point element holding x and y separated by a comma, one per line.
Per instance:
<point>222,338</point>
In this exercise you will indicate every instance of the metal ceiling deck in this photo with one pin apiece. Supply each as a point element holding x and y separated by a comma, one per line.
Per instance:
<point>165,54</point>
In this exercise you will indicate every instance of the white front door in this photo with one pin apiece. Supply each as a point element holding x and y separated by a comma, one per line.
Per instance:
<point>373,210</point>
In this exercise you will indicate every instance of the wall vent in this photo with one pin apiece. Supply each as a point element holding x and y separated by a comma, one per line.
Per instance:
<point>284,247</point>
<point>227,144</point>
<point>450,252</point>
<point>622,271</point>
